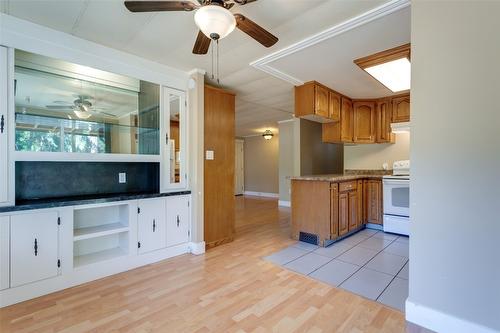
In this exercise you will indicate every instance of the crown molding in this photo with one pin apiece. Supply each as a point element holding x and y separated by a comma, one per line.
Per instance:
<point>352,23</point>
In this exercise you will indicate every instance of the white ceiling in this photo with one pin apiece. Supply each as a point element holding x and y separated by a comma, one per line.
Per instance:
<point>262,100</point>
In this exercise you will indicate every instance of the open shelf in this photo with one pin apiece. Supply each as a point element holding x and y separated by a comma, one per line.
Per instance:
<point>98,231</point>
<point>92,258</point>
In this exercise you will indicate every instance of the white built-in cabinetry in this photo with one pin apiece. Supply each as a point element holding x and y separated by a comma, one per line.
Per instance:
<point>5,90</point>
<point>151,230</point>
<point>35,249</point>
<point>46,250</point>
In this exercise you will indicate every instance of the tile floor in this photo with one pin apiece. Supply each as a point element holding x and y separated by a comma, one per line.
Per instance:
<point>369,263</point>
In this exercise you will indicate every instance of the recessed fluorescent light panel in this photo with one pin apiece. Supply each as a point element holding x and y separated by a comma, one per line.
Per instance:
<point>395,74</point>
<point>392,67</point>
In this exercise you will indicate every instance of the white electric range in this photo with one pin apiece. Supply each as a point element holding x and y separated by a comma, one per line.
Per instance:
<point>396,197</point>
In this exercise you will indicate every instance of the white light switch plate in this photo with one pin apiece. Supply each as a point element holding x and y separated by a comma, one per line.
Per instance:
<point>209,155</point>
<point>122,177</point>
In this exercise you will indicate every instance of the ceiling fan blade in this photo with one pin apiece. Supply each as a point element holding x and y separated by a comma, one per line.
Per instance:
<point>243,2</point>
<point>255,31</point>
<point>202,44</point>
<point>160,6</point>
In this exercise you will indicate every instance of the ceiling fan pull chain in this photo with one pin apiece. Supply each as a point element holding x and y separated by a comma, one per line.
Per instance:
<point>218,61</point>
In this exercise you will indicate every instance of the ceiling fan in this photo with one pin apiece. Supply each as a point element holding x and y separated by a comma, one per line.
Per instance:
<point>212,17</point>
<point>81,107</point>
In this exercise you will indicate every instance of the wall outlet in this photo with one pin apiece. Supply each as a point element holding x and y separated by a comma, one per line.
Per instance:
<point>122,177</point>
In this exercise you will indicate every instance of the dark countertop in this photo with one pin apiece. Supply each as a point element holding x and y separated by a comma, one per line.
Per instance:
<point>83,200</point>
<point>337,177</point>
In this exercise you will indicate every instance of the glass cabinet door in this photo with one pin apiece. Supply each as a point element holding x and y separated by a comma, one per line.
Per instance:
<point>174,152</point>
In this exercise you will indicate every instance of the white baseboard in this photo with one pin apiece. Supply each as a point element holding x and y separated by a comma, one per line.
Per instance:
<point>441,322</point>
<point>197,248</point>
<point>284,203</point>
<point>262,194</point>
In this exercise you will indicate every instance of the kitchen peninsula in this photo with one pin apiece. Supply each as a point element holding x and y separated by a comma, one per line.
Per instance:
<point>326,208</point>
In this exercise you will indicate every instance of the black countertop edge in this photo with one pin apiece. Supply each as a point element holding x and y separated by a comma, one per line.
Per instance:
<point>76,201</point>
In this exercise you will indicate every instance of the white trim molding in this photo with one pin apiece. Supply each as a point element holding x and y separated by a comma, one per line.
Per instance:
<point>352,23</point>
<point>441,322</point>
<point>284,203</point>
<point>197,248</point>
<point>262,194</point>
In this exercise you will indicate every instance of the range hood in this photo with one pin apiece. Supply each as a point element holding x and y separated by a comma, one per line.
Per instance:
<point>400,127</point>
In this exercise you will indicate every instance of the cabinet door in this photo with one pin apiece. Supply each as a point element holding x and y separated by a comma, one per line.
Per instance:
<point>384,114</point>
<point>334,211</point>
<point>359,191</point>
<point>34,251</point>
<point>374,201</point>
<point>151,229</point>
<point>343,213</point>
<point>321,101</point>
<point>177,220</point>
<point>364,122</point>
<point>4,252</point>
<point>4,94</point>
<point>346,120</point>
<point>353,210</point>
<point>401,109</point>
<point>334,106</point>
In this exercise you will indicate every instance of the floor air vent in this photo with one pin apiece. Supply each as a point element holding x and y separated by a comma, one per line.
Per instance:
<point>308,238</point>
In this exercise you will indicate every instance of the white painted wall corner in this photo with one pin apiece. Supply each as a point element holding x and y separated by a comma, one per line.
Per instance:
<point>197,248</point>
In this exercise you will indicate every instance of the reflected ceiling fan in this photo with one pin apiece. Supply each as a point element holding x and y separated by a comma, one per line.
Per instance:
<point>212,17</point>
<point>81,107</point>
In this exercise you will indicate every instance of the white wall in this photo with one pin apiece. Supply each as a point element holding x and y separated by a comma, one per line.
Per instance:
<point>455,154</point>
<point>372,156</point>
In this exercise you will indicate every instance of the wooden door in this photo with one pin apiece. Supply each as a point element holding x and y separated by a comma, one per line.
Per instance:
<point>219,136</point>
<point>35,247</point>
<point>359,191</point>
<point>334,106</point>
<point>321,101</point>
<point>343,213</point>
<point>4,252</point>
<point>374,201</point>
<point>401,109</point>
<point>334,210</point>
<point>353,210</point>
<point>383,122</point>
<point>364,122</point>
<point>178,221</point>
<point>239,173</point>
<point>346,121</point>
<point>151,230</point>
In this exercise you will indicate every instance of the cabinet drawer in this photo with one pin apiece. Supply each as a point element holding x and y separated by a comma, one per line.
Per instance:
<point>347,186</point>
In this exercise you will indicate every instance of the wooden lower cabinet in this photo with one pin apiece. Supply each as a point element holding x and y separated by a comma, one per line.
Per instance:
<point>330,210</point>
<point>373,201</point>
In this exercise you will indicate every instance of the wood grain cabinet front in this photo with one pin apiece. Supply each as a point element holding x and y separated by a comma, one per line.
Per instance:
<point>383,122</point>
<point>401,109</point>
<point>373,201</point>
<point>316,102</point>
<point>364,122</point>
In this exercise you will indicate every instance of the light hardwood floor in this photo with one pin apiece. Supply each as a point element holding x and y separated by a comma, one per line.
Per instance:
<point>228,289</point>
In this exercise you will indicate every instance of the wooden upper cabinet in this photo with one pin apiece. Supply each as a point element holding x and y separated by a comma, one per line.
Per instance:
<point>364,122</point>
<point>334,106</point>
<point>317,102</point>
<point>346,121</point>
<point>383,122</point>
<point>321,100</point>
<point>401,109</point>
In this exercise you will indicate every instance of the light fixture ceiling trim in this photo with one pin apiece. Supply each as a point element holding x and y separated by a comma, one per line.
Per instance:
<point>391,67</point>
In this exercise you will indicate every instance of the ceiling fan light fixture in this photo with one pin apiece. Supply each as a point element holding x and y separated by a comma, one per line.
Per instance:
<point>215,21</point>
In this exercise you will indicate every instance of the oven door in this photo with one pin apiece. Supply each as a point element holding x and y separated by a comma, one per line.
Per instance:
<point>397,197</point>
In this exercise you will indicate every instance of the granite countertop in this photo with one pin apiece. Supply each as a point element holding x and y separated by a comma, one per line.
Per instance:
<point>346,176</point>
<point>83,200</point>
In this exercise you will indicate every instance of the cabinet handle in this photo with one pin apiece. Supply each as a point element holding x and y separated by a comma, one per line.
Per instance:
<point>2,123</point>
<point>36,247</point>
<point>166,138</point>
<point>178,220</point>
<point>154,225</point>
